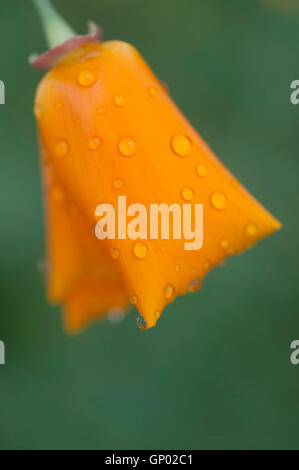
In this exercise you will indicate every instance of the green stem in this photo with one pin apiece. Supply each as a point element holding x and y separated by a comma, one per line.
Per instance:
<point>57,31</point>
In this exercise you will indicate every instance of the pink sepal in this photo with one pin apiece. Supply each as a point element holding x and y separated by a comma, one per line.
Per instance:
<point>51,57</point>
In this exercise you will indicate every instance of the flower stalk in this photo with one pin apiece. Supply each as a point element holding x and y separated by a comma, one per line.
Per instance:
<point>56,29</point>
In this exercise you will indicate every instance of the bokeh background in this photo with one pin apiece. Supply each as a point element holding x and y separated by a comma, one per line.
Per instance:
<point>215,372</point>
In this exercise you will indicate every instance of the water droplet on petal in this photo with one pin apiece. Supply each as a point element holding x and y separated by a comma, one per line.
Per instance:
<point>187,194</point>
<point>157,315</point>
<point>181,145</point>
<point>178,268</point>
<point>163,248</point>
<point>118,183</point>
<point>94,143</point>
<point>115,253</point>
<point>86,78</point>
<point>141,250</point>
<point>127,147</point>
<point>169,291</point>
<point>120,100</point>
<point>133,299</point>
<point>201,170</point>
<point>140,322</point>
<point>218,200</point>
<point>62,148</point>
<point>224,242</point>
<point>251,229</point>
<point>152,91</point>
<point>100,110</point>
<point>194,286</point>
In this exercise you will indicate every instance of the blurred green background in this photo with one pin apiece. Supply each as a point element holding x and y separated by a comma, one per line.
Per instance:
<point>215,372</point>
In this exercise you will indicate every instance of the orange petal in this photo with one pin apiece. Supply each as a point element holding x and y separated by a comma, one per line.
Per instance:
<point>89,298</point>
<point>81,273</point>
<point>110,129</point>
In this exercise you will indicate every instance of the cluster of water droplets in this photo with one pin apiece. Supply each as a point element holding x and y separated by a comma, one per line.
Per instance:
<point>182,147</point>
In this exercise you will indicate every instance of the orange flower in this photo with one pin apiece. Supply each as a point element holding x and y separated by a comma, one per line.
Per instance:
<point>108,128</point>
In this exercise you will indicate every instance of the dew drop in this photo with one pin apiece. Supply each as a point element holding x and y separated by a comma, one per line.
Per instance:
<point>178,268</point>
<point>181,145</point>
<point>187,194</point>
<point>86,78</point>
<point>152,91</point>
<point>62,148</point>
<point>94,143</point>
<point>127,146</point>
<point>100,109</point>
<point>141,250</point>
<point>115,253</point>
<point>201,170</point>
<point>140,322</point>
<point>169,291</point>
<point>251,229</point>
<point>194,286</point>
<point>163,248</point>
<point>218,200</point>
<point>119,100</point>
<point>133,299</point>
<point>118,183</point>
<point>224,243</point>
<point>157,315</point>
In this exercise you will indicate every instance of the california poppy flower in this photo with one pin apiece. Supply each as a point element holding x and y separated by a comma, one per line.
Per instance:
<point>108,128</point>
